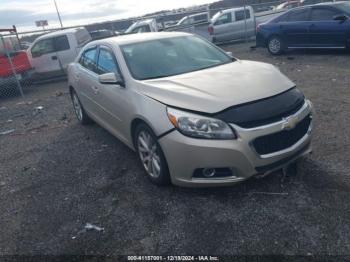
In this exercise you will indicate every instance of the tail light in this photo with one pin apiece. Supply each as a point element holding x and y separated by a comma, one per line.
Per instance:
<point>258,28</point>
<point>211,29</point>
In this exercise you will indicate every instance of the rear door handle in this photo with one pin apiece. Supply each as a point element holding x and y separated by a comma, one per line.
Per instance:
<point>95,89</point>
<point>54,57</point>
<point>77,77</point>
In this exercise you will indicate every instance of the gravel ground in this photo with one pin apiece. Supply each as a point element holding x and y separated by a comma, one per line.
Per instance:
<point>56,176</point>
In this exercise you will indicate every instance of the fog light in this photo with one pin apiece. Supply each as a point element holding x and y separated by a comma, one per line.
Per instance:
<point>209,172</point>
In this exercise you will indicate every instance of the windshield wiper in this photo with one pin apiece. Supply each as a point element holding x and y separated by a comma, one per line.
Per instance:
<point>154,77</point>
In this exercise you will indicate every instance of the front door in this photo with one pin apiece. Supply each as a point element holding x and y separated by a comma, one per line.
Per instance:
<point>244,24</point>
<point>112,98</point>
<point>223,30</point>
<point>44,57</point>
<point>325,31</point>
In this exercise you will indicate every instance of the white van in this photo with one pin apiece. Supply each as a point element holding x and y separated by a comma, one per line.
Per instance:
<point>51,53</point>
<point>232,24</point>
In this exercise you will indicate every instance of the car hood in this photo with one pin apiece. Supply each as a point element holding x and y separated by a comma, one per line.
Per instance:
<point>215,89</point>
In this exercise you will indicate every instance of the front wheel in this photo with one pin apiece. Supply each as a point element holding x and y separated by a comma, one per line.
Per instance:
<point>275,45</point>
<point>79,111</point>
<point>151,155</point>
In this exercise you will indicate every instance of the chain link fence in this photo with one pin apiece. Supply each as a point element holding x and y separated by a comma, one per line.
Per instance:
<point>15,68</point>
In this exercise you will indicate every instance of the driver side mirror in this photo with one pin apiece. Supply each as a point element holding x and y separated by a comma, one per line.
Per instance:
<point>340,18</point>
<point>36,54</point>
<point>111,79</point>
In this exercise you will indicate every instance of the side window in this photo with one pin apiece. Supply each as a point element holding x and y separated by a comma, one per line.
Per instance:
<point>88,59</point>
<point>141,29</point>
<point>322,14</point>
<point>61,43</point>
<point>185,21</point>
<point>106,62</point>
<point>240,15</point>
<point>198,18</point>
<point>42,47</point>
<point>299,15</point>
<point>282,18</point>
<point>224,19</point>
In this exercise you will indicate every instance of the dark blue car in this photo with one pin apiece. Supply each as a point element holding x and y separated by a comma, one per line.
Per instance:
<point>324,25</point>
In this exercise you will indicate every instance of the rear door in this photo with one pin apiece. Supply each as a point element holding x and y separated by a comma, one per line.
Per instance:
<point>244,24</point>
<point>44,57</point>
<point>223,28</point>
<point>66,52</point>
<point>326,32</point>
<point>295,28</point>
<point>85,81</point>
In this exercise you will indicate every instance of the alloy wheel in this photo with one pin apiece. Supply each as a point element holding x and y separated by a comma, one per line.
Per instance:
<point>77,107</point>
<point>149,154</point>
<point>275,45</point>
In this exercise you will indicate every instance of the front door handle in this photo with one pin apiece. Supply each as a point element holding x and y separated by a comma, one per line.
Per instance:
<point>54,57</point>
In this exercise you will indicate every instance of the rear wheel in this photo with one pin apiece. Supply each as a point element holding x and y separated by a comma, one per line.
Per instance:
<point>275,45</point>
<point>79,111</point>
<point>151,155</point>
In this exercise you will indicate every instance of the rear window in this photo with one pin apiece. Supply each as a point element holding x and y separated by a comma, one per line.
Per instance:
<point>299,15</point>
<point>88,59</point>
<point>82,37</point>
<point>141,29</point>
<point>61,43</point>
<point>202,17</point>
<point>240,15</point>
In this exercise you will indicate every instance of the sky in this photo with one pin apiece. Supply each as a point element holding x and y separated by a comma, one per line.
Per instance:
<point>24,13</point>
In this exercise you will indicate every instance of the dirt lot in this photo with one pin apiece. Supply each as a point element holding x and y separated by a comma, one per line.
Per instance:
<point>56,176</point>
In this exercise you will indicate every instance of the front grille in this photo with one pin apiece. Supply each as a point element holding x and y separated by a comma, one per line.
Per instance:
<point>278,141</point>
<point>264,111</point>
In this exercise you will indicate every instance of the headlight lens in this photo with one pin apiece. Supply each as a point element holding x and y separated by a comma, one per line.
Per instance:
<point>199,126</point>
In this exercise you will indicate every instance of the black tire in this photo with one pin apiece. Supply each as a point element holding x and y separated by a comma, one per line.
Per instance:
<point>275,45</point>
<point>81,114</point>
<point>159,178</point>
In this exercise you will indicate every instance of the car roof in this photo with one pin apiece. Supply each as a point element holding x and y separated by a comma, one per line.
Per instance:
<point>330,3</point>
<point>60,32</point>
<point>203,13</point>
<point>235,8</point>
<point>142,22</point>
<point>136,38</point>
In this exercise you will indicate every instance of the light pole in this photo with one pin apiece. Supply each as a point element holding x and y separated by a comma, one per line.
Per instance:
<point>58,13</point>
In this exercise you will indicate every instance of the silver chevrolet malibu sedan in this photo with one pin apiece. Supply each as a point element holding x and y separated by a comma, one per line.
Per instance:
<point>195,115</point>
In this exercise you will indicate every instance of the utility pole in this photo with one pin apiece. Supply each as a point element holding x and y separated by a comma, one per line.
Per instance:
<point>245,21</point>
<point>58,13</point>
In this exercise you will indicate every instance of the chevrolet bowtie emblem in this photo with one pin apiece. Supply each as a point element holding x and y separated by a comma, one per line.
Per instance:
<point>290,122</point>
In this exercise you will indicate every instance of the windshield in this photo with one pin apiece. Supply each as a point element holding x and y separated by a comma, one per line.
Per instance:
<point>344,7</point>
<point>171,56</point>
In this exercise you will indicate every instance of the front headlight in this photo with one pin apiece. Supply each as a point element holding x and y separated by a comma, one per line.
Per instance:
<point>199,126</point>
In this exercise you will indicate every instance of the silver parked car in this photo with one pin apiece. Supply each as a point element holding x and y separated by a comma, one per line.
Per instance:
<point>195,115</point>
